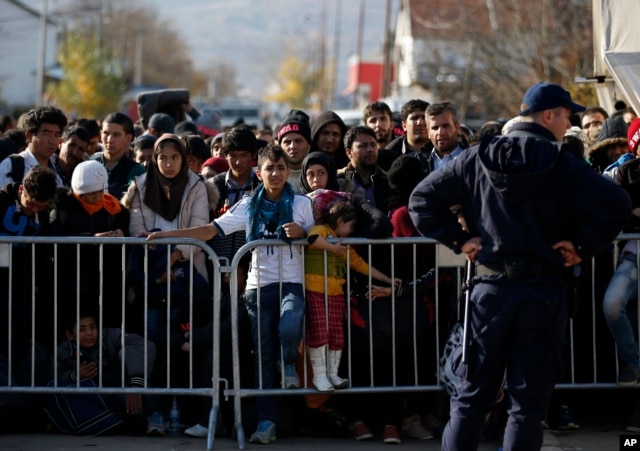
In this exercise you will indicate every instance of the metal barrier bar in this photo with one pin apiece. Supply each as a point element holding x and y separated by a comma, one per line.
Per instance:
<point>60,269</point>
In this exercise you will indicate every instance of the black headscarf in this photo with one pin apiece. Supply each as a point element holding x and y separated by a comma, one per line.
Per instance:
<point>163,195</point>
<point>324,160</point>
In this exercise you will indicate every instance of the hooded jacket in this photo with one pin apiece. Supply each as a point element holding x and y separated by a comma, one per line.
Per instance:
<point>340,158</point>
<point>520,195</point>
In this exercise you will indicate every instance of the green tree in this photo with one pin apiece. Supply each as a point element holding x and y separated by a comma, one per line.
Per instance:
<point>90,87</point>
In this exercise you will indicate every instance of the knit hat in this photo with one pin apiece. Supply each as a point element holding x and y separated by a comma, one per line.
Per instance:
<point>162,122</point>
<point>633,135</point>
<point>218,164</point>
<point>208,123</point>
<point>295,124</point>
<point>89,177</point>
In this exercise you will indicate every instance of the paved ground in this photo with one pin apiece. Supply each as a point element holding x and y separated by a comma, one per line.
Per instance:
<point>591,439</point>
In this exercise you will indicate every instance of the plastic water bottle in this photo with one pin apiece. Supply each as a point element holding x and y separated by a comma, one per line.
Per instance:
<point>174,418</point>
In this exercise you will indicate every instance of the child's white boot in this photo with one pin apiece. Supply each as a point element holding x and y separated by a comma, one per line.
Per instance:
<point>334,364</point>
<point>318,359</point>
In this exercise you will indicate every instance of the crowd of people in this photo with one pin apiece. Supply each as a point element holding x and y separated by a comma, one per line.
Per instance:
<point>500,195</point>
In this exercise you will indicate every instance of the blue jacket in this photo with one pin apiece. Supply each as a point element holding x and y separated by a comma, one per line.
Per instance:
<point>520,194</point>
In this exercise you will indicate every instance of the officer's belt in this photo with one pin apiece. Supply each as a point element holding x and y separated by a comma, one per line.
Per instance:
<point>534,268</point>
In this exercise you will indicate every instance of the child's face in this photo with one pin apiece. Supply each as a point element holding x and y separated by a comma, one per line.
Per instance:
<point>274,174</point>
<point>344,229</point>
<point>87,334</point>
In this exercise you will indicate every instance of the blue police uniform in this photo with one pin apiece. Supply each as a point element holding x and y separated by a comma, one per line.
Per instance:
<point>520,194</point>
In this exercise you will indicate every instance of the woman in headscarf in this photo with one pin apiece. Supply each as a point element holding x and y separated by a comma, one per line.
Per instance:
<point>168,196</point>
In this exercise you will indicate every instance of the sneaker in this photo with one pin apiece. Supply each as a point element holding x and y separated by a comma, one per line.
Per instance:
<point>155,425</point>
<point>412,428</point>
<point>197,431</point>
<point>628,376</point>
<point>432,423</point>
<point>566,421</point>
<point>291,379</point>
<point>265,433</point>
<point>360,431</point>
<point>634,424</point>
<point>391,435</point>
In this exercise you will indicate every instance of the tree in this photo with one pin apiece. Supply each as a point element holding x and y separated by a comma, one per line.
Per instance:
<point>90,87</point>
<point>296,84</point>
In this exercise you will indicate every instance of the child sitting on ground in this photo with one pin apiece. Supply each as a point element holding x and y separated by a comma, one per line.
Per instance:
<point>337,222</point>
<point>80,359</point>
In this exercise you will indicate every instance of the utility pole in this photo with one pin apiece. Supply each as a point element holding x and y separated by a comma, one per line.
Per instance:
<point>42,54</point>
<point>336,54</point>
<point>356,94</point>
<point>137,76</point>
<point>323,57</point>
<point>386,67</point>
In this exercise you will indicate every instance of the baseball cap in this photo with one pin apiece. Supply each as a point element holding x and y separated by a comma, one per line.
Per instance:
<point>544,96</point>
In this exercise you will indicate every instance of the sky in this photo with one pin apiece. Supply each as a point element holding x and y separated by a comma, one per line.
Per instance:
<point>249,32</point>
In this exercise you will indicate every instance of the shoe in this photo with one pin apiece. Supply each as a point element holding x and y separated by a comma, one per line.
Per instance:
<point>360,431</point>
<point>634,424</point>
<point>265,433</point>
<point>412,428</point>
<point>566,421</point>
<point>197,431</point>
<point>628,376</point>
<point>291,379</point>
<point>155,425</point>
<point>391,435</point>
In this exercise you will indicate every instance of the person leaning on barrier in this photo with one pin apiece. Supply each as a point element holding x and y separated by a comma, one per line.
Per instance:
<point>24,212</point>
<point>273,211</point>
<point>526,226</point>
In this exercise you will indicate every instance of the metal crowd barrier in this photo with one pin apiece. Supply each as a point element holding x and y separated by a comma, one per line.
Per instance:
<point>591,361</point>
<point>63,272</point>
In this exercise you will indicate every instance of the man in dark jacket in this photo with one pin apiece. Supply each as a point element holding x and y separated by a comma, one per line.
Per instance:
<point>327,134</point>
<point>361,176</point>
<point>526,226</point>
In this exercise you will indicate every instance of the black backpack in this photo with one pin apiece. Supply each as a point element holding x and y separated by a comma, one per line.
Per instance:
<point>17,168</point>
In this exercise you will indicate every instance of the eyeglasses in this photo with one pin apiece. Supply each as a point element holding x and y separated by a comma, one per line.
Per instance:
<point>591,124</point>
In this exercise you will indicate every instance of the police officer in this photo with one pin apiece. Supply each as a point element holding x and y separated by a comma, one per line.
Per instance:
<point>531,213</point>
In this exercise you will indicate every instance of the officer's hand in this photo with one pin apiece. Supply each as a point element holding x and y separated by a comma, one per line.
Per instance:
<point>471,248</point>
<point>568,252</point>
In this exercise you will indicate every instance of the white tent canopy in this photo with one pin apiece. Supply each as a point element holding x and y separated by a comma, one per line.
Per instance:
<point>617,49</point>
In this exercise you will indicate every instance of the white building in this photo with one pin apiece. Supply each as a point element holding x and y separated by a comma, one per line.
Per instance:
<point>20,53</point>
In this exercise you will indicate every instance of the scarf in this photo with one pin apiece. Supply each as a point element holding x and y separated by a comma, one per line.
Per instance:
<point>163,195</point>
<point>108,202</point>
<point>283,213</point>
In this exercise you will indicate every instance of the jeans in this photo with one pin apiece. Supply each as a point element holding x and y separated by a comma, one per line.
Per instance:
<point>622,288</point>
<point>276,321</point>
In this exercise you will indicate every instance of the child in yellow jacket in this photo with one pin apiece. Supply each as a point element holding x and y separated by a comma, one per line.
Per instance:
<point>324,323</point>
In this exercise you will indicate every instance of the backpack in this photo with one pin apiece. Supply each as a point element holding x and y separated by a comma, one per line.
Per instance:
<point>17,168</point>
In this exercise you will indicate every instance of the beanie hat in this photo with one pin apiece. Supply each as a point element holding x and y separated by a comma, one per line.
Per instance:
<point>218,164</point>
<point>208,123</point>
<point>633,135</point>
<point>89,177</point>
<point>295,124</point>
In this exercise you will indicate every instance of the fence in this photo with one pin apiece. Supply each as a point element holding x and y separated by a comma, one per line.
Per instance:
<point>403,334</point>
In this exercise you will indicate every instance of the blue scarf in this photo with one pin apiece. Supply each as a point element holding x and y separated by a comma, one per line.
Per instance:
<point>283,214</point>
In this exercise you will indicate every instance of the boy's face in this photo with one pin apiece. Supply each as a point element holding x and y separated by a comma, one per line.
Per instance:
<point>31,206</point>
<point>274,174</point>
<point>87,334</point>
